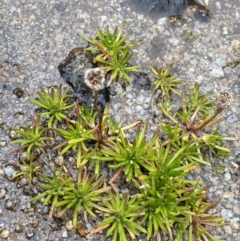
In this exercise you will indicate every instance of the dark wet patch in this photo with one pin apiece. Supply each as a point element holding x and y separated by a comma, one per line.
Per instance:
<point>61,6</point>
<point>18,92</point>
<point>158,46</point>
<point>72,70</point>
<point>141,81</point>
<point>173,8</point>
<point>155,6</point>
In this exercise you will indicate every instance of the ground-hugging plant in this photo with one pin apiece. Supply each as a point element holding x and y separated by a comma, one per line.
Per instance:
<point>120,214</point>
<point>85,193</point>
<point>112,52</point>
<point>164,81</point>
<point>164,200</point>
<point>27,167</point>
<point>161,197</point>
<point>52,188</point>
<point>54,103</point>
<point>132,156</point>
<point>75,136</point>
<point>194,121</point>
<point>33,137</point>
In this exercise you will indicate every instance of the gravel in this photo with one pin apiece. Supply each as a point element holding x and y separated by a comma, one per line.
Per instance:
<point>36,36</point>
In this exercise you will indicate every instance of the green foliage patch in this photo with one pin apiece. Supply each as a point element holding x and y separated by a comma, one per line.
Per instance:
<point>161,198</point>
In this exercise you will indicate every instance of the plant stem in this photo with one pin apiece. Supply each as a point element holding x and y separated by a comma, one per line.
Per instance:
<point>198,126</point>
<point>99,115</point>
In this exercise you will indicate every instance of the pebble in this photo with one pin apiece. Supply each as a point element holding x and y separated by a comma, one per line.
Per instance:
<point>9,170</point>
<point>69,225</point>
<point>234,223</point>
<point>227,229</point>
<point>228,194</point>
<point>2,143</point>
<point>221,62</point>
<point>18,228</point>
<point>64,234</point>
<point>2,193</point>
<point>5,234</point>
<point>236,209</point>
<point>12,134</point>
<point>174,41</point>
<point>227,176</point>
<point>9,204</point>
<point>59,160</point>
<point>29,233</point>
<point>216,72</point>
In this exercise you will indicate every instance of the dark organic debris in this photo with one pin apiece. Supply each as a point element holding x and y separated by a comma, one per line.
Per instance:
<point>72,70</point>
<point>18,92</point>
<point>141,80</point>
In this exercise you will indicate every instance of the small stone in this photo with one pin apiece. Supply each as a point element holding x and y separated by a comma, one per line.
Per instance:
<point>224,212</point>
<point>18,228</point>
<point>59,37</point>
<point>162,21</point>
<point>221,62</point>
<point>5,234</point>
<point>32,17</point>
<point>236,209</point>
<point>2,143</point>
<point>228,206</point>
<point>174,41</point>
<point>21,76</point>
<point>227,176</point>
<point>69,225</point>
<point>9,170</point>
<point>227,229</point>
<point>234,224</point>
<point>2,192</point>
<point>29,233</point>
<point>13,134</point>
<point>9,204</point>
<point>64,234</point>
<point>59,160</point>
<point>217,72</point>
<point>228,194</point>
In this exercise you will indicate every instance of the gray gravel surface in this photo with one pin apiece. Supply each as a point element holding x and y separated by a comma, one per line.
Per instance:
<point>35,36</point>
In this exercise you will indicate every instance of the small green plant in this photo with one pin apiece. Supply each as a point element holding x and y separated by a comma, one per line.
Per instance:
<point>83,194</point>
<point>112,52</point>
<point>200,218</point>
<point>120,214</point>
<point>28,168</point>
<point>54,102</point>
<point>196,115</point>
<point>195,98</point>
<point>76,135</point>
<point>164,81</point>
<point>160,192</point>
<point>32,136</point>
<point>53,188</point>
<point>132,156</point>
